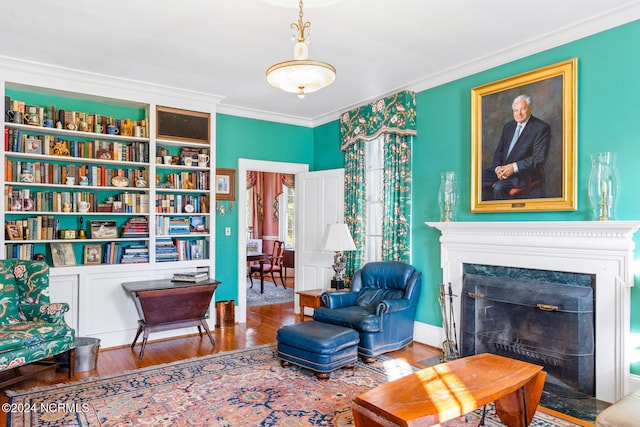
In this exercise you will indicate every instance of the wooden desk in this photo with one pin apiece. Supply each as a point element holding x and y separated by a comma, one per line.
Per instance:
<point>261,258</point>
<point>163,305</point>
<point>310,299</point>
<point>452,389</point>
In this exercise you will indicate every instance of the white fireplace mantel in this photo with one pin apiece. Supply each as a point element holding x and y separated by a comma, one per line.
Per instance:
<point>602,248</point>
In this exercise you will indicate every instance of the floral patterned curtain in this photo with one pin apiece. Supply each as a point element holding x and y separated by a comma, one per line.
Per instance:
<point>397,198</point>
<point>354,202</point>
<point>394,116</point>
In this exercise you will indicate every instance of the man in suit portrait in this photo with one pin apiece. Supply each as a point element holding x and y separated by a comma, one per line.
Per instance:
<point>520,154</point>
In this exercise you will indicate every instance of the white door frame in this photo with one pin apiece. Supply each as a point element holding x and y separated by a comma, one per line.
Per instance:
<point>245,165</point>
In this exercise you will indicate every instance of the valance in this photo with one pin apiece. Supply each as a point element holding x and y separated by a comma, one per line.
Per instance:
<point>395,114</point>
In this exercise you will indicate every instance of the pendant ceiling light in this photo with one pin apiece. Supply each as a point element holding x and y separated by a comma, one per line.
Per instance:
<point>301,75</point>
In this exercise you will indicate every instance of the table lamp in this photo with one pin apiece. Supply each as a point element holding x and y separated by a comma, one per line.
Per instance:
<point>338,238</point>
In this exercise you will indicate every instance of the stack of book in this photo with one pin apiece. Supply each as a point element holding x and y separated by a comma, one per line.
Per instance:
<point>194,277</point>
<point>179,226</point>
<point>135,254</point>
<point>165,250</point>
<point>136,227</point>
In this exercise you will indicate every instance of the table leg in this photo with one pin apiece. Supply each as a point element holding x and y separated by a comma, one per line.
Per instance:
<point>206,328</point>
<point>518,408</point>
<point>145,337</point>
<point>137,335</point>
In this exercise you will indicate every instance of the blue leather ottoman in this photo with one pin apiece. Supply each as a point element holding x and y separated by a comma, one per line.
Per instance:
<point>321,347</point>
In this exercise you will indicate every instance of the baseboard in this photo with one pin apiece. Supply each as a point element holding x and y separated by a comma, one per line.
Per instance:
<point>634,382</point>
<point>427,334</point>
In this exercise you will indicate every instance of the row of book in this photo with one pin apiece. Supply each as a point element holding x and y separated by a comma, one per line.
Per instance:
<point>175,203</point>
<point>17,141</point>
<point>49,173</point>
<point>71,117</point>
<point>117,253</point>
<point>168,249</point>
<point>196,180</point>
<point>19,251</point>
<point>41,227</point>
<point>25,200</point>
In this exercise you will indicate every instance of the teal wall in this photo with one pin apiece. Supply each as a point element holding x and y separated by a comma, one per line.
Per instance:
<point>607,117</point>
<point>326,147</point>
<point>608,93</point>
<point>238,137</point>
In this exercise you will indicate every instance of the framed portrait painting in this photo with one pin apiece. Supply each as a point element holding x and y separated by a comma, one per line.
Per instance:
<point>523,142</point>
<point>225,184</point>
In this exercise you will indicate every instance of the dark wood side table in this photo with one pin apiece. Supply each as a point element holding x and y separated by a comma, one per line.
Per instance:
<point>164,305</point>
<point>310,298</point>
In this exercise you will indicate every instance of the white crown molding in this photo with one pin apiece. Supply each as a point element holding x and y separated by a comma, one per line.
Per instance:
<point>614,18</point>
<point>250,113</point>
<point>43,75</point>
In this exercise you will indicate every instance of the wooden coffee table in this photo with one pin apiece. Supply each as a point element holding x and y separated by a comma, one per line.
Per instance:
<point>448,390</point>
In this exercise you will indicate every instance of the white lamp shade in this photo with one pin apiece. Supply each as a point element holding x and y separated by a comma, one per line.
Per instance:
<point>338,238</point>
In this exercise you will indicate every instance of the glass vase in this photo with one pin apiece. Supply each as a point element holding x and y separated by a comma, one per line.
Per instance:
<point>603,186</point>
<point>448,196</point>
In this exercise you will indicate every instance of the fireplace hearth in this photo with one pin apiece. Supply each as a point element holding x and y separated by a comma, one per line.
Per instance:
<point>549,324</point>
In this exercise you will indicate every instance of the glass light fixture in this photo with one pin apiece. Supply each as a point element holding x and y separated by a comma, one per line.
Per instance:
<point>301,75</point>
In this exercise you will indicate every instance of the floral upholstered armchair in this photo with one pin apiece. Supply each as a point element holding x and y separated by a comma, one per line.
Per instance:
<point>31,328</point>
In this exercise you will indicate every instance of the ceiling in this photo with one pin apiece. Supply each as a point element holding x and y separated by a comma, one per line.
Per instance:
<point>223,47</point>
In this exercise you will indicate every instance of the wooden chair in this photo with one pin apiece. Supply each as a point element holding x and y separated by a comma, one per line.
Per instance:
<point>273,264</point>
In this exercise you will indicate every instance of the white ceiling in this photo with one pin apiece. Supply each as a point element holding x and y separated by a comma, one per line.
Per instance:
<point>223,47</point>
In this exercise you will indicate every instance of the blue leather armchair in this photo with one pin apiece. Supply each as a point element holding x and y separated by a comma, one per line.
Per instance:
<point>381,305</point>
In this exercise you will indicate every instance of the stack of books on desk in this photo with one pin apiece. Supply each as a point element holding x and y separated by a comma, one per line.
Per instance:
<point>195,277</point>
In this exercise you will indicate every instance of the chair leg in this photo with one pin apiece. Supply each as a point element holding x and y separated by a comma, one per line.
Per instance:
<point>282,280</point>
<point>274,279</point>
<point>251,279</point>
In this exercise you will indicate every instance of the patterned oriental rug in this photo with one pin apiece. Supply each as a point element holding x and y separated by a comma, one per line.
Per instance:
<point>238,388</point>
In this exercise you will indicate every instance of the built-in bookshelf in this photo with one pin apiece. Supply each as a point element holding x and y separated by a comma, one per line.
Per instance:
<point>182,200</point>
<point>85,176</point>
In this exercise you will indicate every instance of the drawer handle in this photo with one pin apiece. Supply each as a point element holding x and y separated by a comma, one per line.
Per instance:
<point>547,307</point>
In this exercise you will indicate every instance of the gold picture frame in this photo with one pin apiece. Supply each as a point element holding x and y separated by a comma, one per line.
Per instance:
<point>552,185</point>
<point>62,254</point>
<point>225,184</point>
<point>92,254</point>
<point>14,231</point>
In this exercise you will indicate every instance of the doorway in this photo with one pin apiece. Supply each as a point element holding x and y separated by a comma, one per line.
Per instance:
<point>245,165</point>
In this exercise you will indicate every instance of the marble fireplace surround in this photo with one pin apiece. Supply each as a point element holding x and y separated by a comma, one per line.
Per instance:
<point>602,248</point>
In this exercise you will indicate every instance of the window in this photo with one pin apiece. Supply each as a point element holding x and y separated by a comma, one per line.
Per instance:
<point>287,216</point>
<point>374,177</point>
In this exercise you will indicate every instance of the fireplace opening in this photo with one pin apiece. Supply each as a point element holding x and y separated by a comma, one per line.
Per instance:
<point>546,323</point>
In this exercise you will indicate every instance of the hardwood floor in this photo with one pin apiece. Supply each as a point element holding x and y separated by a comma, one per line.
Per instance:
<point>262,324</point>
